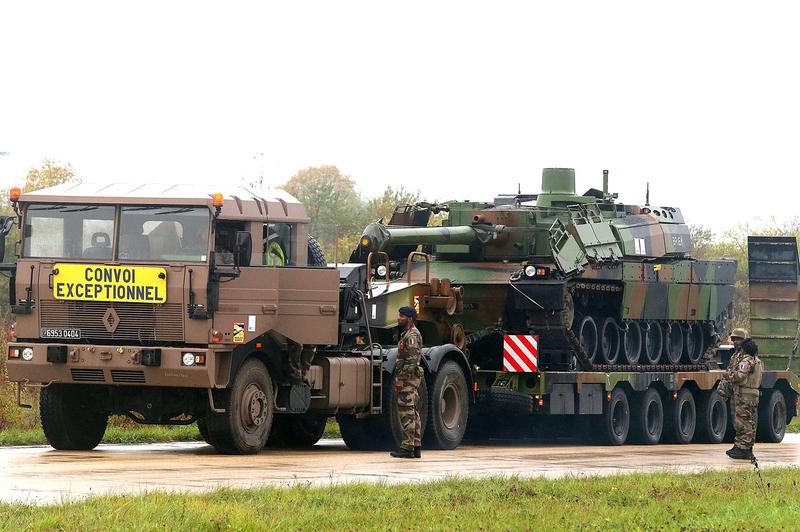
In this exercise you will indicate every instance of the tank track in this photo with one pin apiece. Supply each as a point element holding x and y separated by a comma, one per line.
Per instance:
<point>554,329</point>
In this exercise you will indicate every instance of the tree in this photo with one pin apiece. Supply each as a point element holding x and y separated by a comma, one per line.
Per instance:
<point>383,206</point>
<point>338,213</point>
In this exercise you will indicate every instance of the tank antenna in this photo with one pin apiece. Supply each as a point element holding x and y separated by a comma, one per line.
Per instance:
<point>519,189</point>
<point>605,182</point>
<point>647,196</point>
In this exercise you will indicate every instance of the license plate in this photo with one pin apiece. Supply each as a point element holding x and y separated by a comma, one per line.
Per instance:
<point>67,334</point>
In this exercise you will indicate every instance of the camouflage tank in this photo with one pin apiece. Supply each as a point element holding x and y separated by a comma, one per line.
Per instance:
<point>601,284</point>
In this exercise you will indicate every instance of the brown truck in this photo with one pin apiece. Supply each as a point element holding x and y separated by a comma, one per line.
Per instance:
<point>175,305</point>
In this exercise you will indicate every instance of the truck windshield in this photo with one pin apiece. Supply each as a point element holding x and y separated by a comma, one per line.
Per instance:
<point>162,233</point>
<point>69,231</point>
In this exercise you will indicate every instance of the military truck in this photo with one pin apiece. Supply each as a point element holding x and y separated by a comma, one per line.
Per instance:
<point>574,308</point>
<point>176,305</point>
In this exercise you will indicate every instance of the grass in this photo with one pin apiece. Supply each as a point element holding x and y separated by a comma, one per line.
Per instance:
<point>794,426</point>
<point>712,500</point>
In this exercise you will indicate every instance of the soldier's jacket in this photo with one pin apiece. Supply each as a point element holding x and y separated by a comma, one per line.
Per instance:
<point>409,352</point>
<point>745,373</point>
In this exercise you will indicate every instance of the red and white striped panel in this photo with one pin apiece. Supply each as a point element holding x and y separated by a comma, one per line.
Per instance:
<point>520,354</point>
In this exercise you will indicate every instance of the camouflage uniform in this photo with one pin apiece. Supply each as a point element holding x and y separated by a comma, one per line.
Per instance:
<point>300,358</point>
<point>408,374</point>
<point>741,385</point>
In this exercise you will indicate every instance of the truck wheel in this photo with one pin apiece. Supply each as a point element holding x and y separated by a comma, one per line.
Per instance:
<point>681,419</point>
<point>358,434</point>
<point>296,430</point>
<point>449,407</point>
<point>202,426</point>
<point>316,257</point>
<point>772,417</point>
<point>648,417</point>
<point>71,417</point>
<point>712,418</point>
<point>390,431</point>
<point>249,404</point>
<point>613,426</point>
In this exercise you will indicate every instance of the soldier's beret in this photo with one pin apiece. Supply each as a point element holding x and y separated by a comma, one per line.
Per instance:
<point>408,312</point>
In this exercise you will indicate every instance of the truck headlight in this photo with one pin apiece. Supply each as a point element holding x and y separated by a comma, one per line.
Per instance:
<point>188,359</point>
<point>381,270</point>
<point>27,354</point>
<point>530,271</point>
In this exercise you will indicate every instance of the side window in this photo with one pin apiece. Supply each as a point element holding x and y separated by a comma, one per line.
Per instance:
<point>225,241</point>
<point>277,245</point>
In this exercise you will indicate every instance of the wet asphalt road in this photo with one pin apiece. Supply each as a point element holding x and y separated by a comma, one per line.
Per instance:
<point>42,475</point>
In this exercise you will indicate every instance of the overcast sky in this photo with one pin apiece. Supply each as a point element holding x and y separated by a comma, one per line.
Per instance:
<point>460,100</point>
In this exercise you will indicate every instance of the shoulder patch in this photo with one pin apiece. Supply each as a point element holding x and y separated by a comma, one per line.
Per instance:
<point>412,340</point>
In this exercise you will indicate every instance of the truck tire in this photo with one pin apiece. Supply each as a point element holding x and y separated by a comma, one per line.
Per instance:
<point>502,401</point>
<point>681,419</point>
<point>772,417</point>
<point>647,417</point>
<point>712,417</point>
<point>249,405</point>
<point>389,430</point>
<point>358,434</point>
<point>202,427</point>
<point>316,256</point>
<point>71,418</point>
<point>613,426</point>
<point>448,408</point>
<point>293,431</point>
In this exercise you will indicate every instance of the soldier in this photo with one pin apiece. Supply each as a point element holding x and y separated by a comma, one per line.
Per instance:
<point>300,359</point>
<point>408,375</point>
<point>741,382</point>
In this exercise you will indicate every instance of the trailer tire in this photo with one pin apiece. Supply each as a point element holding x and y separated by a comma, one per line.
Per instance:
<point>71,419</point>
<point>772,418</point>
<point>712,417</point>
<point>647,417</point>
<point>613,426</point>
<point>249,406</point>
<point>448,407</point>
<point>681,419</point>
<point>293,431</point>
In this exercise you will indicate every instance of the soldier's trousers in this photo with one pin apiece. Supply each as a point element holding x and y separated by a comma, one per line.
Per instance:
<point>407,409</point>
<point>300,358</point>
<point>744,407</point>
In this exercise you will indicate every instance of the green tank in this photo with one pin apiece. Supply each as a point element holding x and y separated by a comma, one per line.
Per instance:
<point>599,284</point>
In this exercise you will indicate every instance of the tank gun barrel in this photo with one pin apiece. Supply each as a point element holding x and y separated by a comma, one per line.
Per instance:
<point>378,237</point>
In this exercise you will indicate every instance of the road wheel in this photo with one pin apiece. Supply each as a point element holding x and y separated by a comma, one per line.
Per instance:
<point>610,341</point>
<point>673,343</point>
<point>71,417</point>
<point>249,405</point>
<point>587,336</point>
<point>712,417</point>
<point>681,419</point>
<point>693,333</point>
<point>449,407</point>
<point>653,342</point>
<point>772,417</point>
<point>296,430</point>
<point>647,415</point>
<point>613,426</point>
<point>632,342</point>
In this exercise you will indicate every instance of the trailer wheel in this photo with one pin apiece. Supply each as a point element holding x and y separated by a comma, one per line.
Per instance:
<point>681,419</point>
<point>296,430</point>
<point>249,404</point>
<point>712,417</point>
<point>613,426</point>
<point>648,417</point>
<point>449,407</point>
<point>772,417</point>
<point>71,418</point>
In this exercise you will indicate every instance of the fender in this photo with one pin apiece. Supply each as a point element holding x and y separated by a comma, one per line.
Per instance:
<point>431,360</point>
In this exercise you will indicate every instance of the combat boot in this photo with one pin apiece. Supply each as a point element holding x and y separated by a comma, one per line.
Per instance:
<point>418,451</point>
<point>732,449</point>
<point>402,453</point>
<point>741,454</point>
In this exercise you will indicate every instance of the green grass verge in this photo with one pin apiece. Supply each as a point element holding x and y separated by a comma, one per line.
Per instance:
<point>713,500</point>
<point>794,426</point>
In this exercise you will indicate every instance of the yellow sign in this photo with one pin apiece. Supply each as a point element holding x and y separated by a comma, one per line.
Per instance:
<point>97,282</point>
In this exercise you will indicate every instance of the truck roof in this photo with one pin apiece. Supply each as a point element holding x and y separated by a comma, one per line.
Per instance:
<point>240,203</point>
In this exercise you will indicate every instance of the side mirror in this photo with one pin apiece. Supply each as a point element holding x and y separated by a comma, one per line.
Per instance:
<point>6,223</point>
<point>243,250</point>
